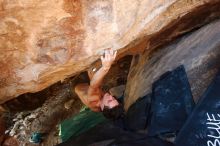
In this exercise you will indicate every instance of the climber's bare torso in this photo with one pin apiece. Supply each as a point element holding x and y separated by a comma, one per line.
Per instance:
<point>92,100</point>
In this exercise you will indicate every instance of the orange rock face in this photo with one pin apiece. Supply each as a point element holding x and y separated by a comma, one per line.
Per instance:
<point>45,41</point>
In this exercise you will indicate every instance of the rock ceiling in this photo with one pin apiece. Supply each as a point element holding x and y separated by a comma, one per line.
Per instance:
<point>45,41</point>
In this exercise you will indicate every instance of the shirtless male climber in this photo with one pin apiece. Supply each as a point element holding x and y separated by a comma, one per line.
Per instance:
<point>93,96</point>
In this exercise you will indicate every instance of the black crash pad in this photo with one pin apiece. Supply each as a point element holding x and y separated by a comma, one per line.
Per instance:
<point>146,141</point>
<point>203,126</point>
<point>172,103</point>
<point>137,115</point>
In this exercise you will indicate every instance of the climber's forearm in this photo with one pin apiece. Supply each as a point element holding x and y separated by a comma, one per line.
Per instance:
<point>98,77</point>
<point>107,60</point>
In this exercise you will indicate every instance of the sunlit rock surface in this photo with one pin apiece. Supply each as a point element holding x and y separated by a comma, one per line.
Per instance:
<point>45,41</point>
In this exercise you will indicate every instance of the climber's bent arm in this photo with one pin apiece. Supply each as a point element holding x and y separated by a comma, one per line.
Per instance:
<point>96,81</point>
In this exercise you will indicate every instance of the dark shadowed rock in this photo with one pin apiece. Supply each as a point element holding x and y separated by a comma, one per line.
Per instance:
<point>198,51</point>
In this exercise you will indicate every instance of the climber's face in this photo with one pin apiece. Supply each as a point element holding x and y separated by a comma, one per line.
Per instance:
<point>109,101</point>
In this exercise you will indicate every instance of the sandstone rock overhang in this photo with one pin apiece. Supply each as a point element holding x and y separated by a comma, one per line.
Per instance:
<point>46,41</point>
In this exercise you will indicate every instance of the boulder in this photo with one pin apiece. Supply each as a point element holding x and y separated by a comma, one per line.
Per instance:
<point>46,41</point>
<point>198,51</point>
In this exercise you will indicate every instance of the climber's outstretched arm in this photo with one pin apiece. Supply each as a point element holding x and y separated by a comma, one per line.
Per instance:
<point>107,60</point>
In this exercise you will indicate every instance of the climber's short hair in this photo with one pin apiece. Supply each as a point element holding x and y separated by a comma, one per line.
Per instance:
<point>113,113</point>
